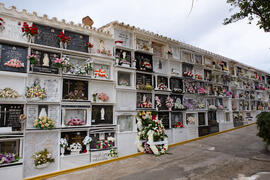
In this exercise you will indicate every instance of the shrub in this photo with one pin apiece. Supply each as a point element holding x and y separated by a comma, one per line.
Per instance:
<point>263,125</point>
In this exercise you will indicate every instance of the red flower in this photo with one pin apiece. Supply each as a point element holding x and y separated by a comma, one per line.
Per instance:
<point>1,19</point>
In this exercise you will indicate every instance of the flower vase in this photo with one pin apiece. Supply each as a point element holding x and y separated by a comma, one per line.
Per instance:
<point>29,38</point>
<point>60,70</point>
<point>88,148</point>
<point>31,67</point>
<point>64,70</point>
<point>61,45</point>
<point>42,165</point>
<point>33,39</point>
<point>62,151</point>
<point>75,152</point>
<point>89,50</point>
<point>65,45</point>
<point>89,72</point>
<point>134,64</point>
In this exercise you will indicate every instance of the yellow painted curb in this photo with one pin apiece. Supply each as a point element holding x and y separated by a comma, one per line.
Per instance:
<point>57,173</point>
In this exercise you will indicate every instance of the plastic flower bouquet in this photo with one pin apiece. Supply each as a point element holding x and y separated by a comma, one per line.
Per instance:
<point>158,102</point>
<point>8,93</point>
<point>103,97</point>
<point>188,74</point>
<point>87,140</point>
<point>32,58</point>
<point>44,123</point>
<point>59,62</point>
<point>178,125</point>
<point>147,65</point>
<point>29,30</point>
<point>63,143</point>
<point>162,86</point>
<point>35,91</point>
<point>14,63</point>
<point>6,158</point>
<point>89,45</point>
<point>75,147</point>
<point>201,90</point>
<point>113,153</point>
<point>169,103</point>
<point>62,38</point>
<point>76,122</point>
<point>42,157</point>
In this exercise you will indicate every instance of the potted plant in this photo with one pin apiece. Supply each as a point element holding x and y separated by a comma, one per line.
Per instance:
<point>263,125</point>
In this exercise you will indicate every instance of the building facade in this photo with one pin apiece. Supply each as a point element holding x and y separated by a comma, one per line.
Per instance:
<point>68,82</point>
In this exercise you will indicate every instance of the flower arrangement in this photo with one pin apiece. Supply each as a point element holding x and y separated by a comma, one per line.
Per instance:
<point>212,107</point>
<point>44,122</point>
<point>170,52</point>
<point>104,144</point>
<point>75,147</point>
<point>188,74</point>
<point>101,73</point>
<point>42,158</point>
<point>32,58</point>
<point>35,91</point>
<point>88,65</point>
<point>151,129</point>
<point>201,91</point>
<point>124,61</point>
<point>2,22</point>
<point>8,93</point>
<point>113,153</point>
<point>191,120</point>
<point>59,62</point>
<point>103,97</point>
<point>145,104</point>
<point>87,140</point>
<point>89,45</point>
<point>146,65</point>
<point>177,90</point>
<point>169,103</point>
<point>146,87</point>
<point>262,88</point>
<point>123,82</point>
<point>162,86</point>
<point>29,30</point>
<point>118,42</point>
<point>158,102</point>
<point>190,87</point>
<point>228,93</point>
<point>6,158</point>
<point>221,107</point>
<point>201,105</point>
<point>178,125</point>
<point>198,76</point>
<point>63,143</point>
<point>104,51</point>
<point>63,38</point>
<point>15,63</point>
<point>76,94</point>
<point>76,122</point>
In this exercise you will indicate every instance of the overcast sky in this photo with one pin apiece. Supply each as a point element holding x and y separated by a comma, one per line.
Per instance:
<point>203,27</point>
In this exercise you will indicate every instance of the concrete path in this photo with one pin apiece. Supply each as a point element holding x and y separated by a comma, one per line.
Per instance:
<point>230,155</point>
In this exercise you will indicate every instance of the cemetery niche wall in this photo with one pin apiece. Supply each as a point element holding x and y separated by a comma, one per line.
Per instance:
<point>98,90</point>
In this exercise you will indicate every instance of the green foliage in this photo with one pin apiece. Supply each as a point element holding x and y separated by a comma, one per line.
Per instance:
<point>263,125</point>
<point>251,9</point>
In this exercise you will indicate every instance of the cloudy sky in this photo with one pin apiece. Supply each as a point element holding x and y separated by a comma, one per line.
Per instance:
<point>202,27</point>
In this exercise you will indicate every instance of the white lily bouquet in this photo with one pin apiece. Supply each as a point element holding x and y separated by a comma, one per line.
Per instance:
<point>87,140</point>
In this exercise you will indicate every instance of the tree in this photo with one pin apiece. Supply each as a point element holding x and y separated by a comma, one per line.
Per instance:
<point>251,9</point>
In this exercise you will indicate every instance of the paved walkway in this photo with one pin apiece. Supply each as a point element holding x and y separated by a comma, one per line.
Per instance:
<point>225,156</point>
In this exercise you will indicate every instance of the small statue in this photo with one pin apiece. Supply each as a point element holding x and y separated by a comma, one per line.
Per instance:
<point>102,113</point>
<point>46,60</point>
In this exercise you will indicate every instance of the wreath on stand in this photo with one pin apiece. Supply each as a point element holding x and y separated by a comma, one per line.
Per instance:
<point>151,137</point>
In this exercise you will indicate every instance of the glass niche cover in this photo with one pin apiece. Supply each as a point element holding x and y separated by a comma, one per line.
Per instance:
<point>74,116</point>
<point>102,140</point>
<point>123,57</point>
<point>75,143</point>
<point>125,123</point>
<point>102,114</point>
<point>124,78</point>
<point>75,90</point>
<point>9,151</point>
<point>78,66</point>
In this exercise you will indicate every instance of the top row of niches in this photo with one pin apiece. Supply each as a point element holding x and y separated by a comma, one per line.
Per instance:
<point>48,36</point>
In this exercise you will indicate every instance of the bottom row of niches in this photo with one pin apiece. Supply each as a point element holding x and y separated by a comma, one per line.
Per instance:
<point>80,142</point>
<point>52,116</point>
